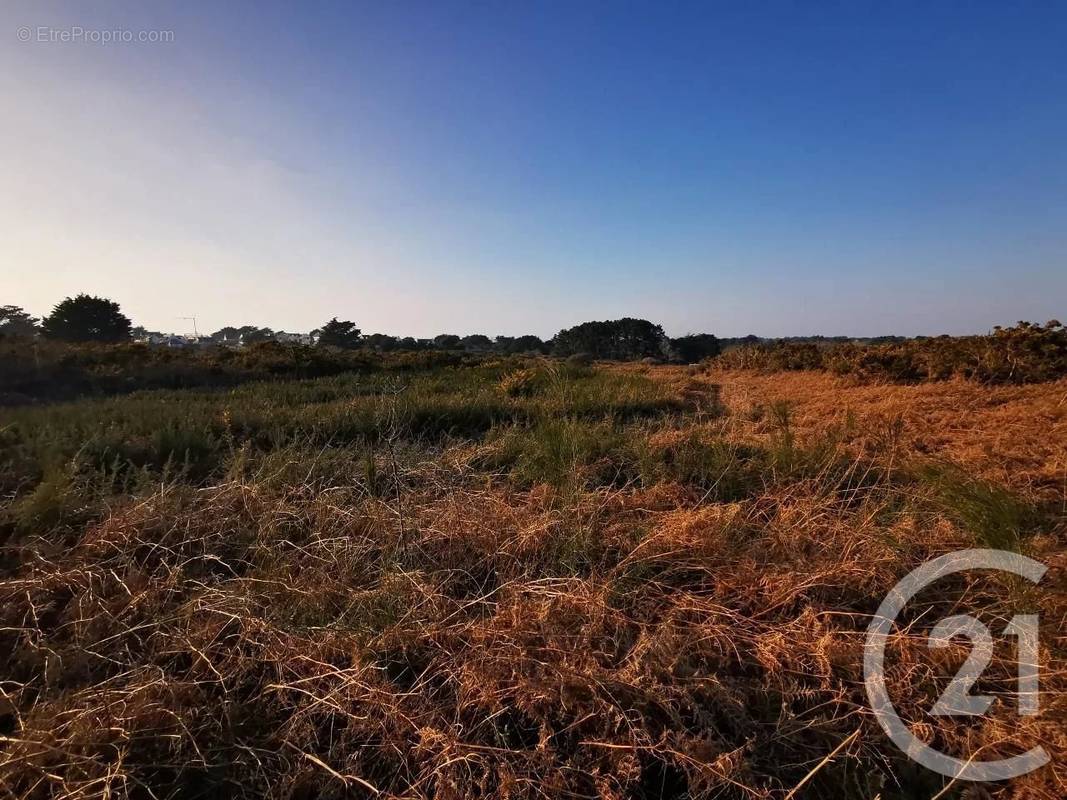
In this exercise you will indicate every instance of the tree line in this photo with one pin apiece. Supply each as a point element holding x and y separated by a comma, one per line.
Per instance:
<point>86,318</point>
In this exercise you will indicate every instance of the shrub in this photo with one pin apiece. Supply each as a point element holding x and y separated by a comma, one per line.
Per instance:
<point>1024,353</point>
<point>519,383</point>
<point>774,357</point>
<point>51,371</point>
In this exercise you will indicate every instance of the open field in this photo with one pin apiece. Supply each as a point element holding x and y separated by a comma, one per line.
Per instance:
<point>518,578</point>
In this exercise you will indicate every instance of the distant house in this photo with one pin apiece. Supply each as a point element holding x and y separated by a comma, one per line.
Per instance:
<point>157,339</point>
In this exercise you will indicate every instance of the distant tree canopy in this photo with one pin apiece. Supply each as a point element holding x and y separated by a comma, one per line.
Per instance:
<point>529,343</point>
<point>519,344</point>
<point>446,341</point>
<point>230,333</point>
<point>246,334</point>
<point>730,342</point>
<point>16,322</point>
<point>620,339</point>
<point>87,319</point>
<point>381,341</point>
<point>257,335</point>
<point>94,319</point>
<point>337,333</point>
<point>476,341</point>
<point>695,347</point>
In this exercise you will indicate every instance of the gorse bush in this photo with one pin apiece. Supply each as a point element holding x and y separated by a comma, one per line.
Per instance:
<point>50,371</point>
<point>1025,353</point>
<point>774,357</point>
<point>519,383</point>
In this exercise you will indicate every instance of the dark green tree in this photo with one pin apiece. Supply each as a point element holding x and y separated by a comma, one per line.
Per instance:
<point>227,335</point>
<point>519,344</point>
<point>15,322</point>
<point>695,347</point>
<point>476,341</point>
<point>446,341</point>
<point>626,339</point>
<point>529,344</point>
<point>253,335</point>
<point>381,341</point>
<point>246,334</point>
<point>337,333</point>
<point>87,319</point>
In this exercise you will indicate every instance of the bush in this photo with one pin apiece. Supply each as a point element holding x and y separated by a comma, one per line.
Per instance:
<point>695,347</point>
<point>519,383</point>
<point>1024,353</point>
<point>774,357</point>
<point>55,371</point>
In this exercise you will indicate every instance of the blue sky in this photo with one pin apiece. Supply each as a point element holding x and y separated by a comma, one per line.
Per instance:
<point>774,168</point>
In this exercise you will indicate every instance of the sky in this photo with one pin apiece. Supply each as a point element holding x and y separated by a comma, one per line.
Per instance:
<point>839,168</point>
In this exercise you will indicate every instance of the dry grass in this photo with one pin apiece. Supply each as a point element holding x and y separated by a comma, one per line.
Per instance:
<point>1012,435</point>
<point>436,622</point>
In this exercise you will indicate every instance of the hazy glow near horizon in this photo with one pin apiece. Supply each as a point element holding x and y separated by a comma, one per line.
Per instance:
<point>464,168</point>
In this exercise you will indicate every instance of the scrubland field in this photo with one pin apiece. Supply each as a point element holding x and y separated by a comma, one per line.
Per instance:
<point>517,578</point>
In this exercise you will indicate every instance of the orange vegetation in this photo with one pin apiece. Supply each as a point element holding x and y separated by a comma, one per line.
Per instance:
<point>681,615</point>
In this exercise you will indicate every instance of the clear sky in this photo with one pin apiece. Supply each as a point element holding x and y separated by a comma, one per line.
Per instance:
<point>852,168</point>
